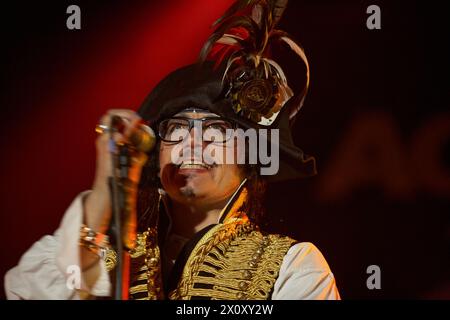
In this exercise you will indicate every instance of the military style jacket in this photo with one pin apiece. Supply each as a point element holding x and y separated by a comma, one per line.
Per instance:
<point>230,260</point>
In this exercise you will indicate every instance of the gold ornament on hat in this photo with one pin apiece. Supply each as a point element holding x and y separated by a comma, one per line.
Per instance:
<point>257,85</point>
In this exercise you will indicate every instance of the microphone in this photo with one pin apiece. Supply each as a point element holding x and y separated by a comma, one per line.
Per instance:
<point>124,190</point>
<point>142,137</point>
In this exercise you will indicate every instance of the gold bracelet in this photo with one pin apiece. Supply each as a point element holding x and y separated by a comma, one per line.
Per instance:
<point>95,242</point>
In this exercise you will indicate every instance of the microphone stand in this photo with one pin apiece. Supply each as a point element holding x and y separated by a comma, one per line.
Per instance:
<point>123,204</point>
<point>121,162</point>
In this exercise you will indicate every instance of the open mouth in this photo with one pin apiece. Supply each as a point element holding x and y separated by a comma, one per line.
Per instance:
<point>195,164</point>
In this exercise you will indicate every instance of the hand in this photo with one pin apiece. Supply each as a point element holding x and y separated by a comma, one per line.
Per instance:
<point>97,205</point>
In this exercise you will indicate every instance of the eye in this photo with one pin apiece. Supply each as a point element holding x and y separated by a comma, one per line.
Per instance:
<point>222,126</point>
<point>174,130</point>
<point>176,125</point>
<point>216,130</point>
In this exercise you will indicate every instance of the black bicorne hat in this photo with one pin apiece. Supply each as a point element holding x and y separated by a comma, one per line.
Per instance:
<point>236,78</point>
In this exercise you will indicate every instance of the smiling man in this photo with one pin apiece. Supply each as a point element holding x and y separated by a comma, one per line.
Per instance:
<point>198,188</point>
<point>197,212</point>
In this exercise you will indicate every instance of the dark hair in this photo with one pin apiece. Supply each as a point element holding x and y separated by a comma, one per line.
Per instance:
<point>148,195</point>
<point>256,187</point>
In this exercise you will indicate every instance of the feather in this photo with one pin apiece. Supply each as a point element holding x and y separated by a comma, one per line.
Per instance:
<point>230,62</point>
<point>244,37</point>
<point>230,39</point>
<point>276,7</point>
<point>258,17</point>
<point>279,71</point>
<point>277,10</point>
<point>282,36</point>
<point>244,22</point>
<point>235,8</point>
<point>265,16</point>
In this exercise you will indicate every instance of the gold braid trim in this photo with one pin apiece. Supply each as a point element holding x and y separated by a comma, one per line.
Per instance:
<point>234,224</point>
<point>231,261</point>
<point>153,265</point>
<point>218,234</point>
<point>138,269</point>
<point>145,273</point>
<point>138,251</point>
<point>110,260</point>
<point>145,269</point>
<point>265,267</point>
<point>244,268</point>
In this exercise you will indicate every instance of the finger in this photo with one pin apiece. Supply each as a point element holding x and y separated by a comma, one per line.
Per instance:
<point>103,138</point>
<point>129,115</point>
<point>130,119</point>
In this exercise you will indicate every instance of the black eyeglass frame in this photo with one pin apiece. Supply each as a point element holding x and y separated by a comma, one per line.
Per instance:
<point>191,123</point>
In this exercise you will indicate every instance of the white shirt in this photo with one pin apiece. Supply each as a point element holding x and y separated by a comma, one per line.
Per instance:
<point>48,269</point>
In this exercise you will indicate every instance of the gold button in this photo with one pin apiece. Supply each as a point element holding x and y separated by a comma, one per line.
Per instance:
<point>247,274</point>
<point>153,262</point>
<point>256,257</point>
<point>243,285</point>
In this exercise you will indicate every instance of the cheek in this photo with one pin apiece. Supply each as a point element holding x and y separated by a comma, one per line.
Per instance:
<point>164,156</point>
<point>221,154</point>
<point>227,176</point>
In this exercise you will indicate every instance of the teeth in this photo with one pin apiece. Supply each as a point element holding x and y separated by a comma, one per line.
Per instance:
<point>193,164</point>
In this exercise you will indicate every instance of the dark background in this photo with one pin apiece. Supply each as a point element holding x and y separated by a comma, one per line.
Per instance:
<point>377,119</point>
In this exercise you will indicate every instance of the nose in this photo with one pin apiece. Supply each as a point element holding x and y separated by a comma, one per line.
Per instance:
<point>196,136</point>
<point>194,140</point>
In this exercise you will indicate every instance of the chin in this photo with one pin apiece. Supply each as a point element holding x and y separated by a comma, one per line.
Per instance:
<point>195,190</point>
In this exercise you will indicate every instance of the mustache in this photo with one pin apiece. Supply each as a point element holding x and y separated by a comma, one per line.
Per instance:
<point>189,155</point>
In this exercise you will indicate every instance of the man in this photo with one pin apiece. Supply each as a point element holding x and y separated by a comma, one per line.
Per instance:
<point>197,211</point>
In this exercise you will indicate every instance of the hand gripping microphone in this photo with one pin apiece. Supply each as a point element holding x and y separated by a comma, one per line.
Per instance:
<point>123,196</point>
<point>142,137</point>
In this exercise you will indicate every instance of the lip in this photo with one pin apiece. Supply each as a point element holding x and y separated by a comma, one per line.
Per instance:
<point>191,170</point>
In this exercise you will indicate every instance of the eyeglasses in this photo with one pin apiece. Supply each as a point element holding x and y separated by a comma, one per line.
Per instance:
<point>214,129</point>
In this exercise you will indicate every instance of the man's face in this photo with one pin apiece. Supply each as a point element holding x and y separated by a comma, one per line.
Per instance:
<point>194,179</point>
